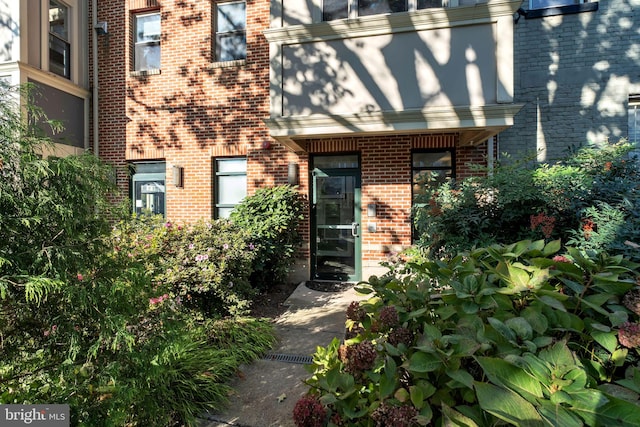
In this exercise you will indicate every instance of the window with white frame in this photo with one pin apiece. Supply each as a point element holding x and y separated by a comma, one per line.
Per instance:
<point>230,186</point>
<point>59,41</point>
<point>147,33</point>
<point>342,9</point>
<point>231,31</point>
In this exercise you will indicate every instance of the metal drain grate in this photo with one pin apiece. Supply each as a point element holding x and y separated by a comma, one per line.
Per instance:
<point>289,358</point>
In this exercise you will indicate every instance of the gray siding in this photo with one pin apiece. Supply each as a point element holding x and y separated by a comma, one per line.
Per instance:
<point>574,74</point>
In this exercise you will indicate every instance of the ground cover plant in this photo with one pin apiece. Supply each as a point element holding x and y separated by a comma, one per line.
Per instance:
<point>519,334</point>
<point>129,323</point>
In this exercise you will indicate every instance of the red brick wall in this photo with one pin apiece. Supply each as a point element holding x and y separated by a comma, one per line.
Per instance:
<point>195,110</point>
<point>192,110</point>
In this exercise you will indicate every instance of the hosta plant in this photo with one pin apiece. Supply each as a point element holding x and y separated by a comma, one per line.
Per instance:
<point>509,334</point>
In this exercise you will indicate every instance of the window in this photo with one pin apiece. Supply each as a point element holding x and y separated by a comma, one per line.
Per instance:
<point>231,31</point>
<point>429,168</point>
<point>342,9</point>
<point>541,4</point>
<point>59,45</point>
<point>540,8</point>
<point>634,118</point>
<point>148,187</point>
<point>147,41</point>
<point>230,186</point>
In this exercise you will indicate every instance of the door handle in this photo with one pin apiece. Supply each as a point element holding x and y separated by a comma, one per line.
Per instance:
<point>354,229</point>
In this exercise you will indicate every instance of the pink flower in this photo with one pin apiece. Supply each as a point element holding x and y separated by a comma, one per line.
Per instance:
<point>225,246</point>
<point>80,277</point>
<point>168,224</point>
<point>165,296</point>
<point>46,333</point>
<point>561,258</point>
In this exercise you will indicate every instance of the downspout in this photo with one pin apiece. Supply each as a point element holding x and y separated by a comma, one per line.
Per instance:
<point>94,47</point>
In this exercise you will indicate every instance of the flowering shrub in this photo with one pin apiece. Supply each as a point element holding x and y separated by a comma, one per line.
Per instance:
<point>589,199</point>
<point>206,266</point>
<point>509,334</point>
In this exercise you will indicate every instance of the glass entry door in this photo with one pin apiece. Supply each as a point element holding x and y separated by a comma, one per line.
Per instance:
<point>336,214</point>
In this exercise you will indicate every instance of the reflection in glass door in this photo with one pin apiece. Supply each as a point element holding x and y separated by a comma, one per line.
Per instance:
<point>336,210</point>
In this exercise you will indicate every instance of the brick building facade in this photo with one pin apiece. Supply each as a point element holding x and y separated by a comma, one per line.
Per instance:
<point>238,95</point>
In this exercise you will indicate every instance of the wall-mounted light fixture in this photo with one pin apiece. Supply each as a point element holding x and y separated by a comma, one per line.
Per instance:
<point>293,174</point>
<point>101,28</point>
<point>177,175</point>
<point>371,210</point>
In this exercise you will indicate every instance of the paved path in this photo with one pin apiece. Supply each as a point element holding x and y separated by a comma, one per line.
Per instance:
<point>266,391</point>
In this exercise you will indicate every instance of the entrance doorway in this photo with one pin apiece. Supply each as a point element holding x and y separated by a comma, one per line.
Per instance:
<point>336,241</point>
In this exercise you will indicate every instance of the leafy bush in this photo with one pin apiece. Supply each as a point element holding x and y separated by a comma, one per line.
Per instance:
<point>206,264</point>
<point>515,334</point>
<point>272,216</point>
<point>86,318</point>
<point>576,198</point>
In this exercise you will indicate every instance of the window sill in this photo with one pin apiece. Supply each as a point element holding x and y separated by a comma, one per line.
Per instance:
<point>142,73</point>
<point>228,64</point>
<point>561,10</point>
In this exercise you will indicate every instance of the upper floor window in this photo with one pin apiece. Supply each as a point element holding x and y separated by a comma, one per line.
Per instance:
<point>231,31</point>
<point>59,43</point>
<point>541,8</point>
<point>146,55</point>
<point>342,9</point>
<point>542,4</point>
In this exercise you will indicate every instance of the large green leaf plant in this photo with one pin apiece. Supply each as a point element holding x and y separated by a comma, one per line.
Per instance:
<point>504,335</point>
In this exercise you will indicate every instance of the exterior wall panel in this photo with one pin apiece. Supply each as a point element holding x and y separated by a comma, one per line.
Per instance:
<point>574,74</point>
<point>391,72</point>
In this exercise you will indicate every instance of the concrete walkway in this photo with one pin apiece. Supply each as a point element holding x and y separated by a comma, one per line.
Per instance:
<point>266,391</point>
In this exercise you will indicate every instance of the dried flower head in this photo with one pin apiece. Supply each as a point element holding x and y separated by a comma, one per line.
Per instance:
<point>358,357</point>
<point>629,335</point>
<point>389,316</point>
<point>401,335</point>
<point>355,312</point>
<point>309,412</point>
<point>397,416</point>
<point>631,300</point>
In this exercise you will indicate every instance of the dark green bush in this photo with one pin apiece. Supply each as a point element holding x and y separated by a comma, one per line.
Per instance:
<point>87,319</point>
<point>514,334</point>
<point>590,200</point>
<point>272,216</point>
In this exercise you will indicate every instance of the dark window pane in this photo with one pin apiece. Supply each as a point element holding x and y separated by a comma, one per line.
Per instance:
<point>59,56</point>
<point>335,9</point>
<point>428,4</point>
<point>541,4</point>
<point>427,160</point>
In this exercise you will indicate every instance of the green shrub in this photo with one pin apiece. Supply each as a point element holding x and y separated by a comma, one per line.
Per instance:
<point>272,217</point>
<point>514,334</point>
<point>92,318</point>
<point>593,186</point>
